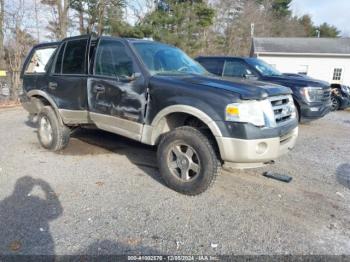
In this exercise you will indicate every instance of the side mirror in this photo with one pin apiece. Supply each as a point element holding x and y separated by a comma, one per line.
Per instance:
<point>125,78</point>
<point>250,76</point>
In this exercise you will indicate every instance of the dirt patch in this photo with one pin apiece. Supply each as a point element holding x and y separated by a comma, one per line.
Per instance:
<point>9,104</point>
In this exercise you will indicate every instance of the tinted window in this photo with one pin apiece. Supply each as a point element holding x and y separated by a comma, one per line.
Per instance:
<point>236,69</point>
<point>160,58</point>
<point>112,59</point>
<point>74,57</point>
<point>263,68</point>
<point>213,66</point>
<point>39,60</point>
<point>58,66</point>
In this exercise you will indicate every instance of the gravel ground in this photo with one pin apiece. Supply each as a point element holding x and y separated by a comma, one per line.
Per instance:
<point>103,195</point>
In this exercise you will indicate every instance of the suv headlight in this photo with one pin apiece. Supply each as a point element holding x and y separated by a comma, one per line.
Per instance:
<point>312,93</point>
<point>258,113</point>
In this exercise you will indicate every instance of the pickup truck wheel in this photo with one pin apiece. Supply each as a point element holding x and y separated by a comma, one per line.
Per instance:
<point>52,134</point>
<point>188,161</point>
<point>335,103</point>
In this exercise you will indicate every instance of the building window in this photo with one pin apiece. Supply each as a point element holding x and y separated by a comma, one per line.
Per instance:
<point>337,74</point>
<point>303,69</point>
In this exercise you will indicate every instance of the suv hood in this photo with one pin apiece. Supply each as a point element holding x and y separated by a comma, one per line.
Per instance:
<point>247,89</point>
<point>296,81</point>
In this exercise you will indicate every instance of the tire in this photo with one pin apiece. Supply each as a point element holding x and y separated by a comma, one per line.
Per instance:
<point>52,135</point>
<point>335,103</point>
<point>188,161</point>
<point>297,113</point>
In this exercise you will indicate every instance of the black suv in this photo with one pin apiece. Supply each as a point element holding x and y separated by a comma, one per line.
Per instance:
<point>311,96</point>
<point>340,97</point>
<point>155,94</point>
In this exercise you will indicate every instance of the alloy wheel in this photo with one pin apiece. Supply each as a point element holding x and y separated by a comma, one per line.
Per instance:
<point>183,162</point>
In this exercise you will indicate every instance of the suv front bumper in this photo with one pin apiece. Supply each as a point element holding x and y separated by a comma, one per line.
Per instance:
<point>313,111</point>
<point>244,153</point>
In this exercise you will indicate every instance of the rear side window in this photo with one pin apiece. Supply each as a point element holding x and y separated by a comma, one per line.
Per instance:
<point>39,60</point>
<point>213,66</point>
<point>74,57</point>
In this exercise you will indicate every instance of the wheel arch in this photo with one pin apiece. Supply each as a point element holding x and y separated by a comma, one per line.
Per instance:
<point>46,100</point>
<point>174,116</point>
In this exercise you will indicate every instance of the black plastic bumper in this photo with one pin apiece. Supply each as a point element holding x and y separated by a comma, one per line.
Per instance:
<point>249,131</point>
<point>309,112</point>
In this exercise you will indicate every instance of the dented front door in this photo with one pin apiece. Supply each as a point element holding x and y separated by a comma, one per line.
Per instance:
<point>116,90</point>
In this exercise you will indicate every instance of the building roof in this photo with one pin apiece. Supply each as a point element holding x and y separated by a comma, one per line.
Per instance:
<point>310,46</point>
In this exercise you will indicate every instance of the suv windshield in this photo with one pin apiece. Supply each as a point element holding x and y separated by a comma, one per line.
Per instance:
<point>263,68</point>
<point>160,58</point>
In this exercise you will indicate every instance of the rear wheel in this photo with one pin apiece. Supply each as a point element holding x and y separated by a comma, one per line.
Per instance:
<point>335,103</point>
<point>188,161</point>
<point>52,134</point>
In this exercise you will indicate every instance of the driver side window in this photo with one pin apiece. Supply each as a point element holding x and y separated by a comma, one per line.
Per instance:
<point>236,69</point>
<point>113,60</point>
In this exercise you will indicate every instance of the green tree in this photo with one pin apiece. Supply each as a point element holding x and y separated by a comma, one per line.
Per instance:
<point>98,14</point>
<point>308,25</point>
<point>327,30</point>
<point>281,8</point>
<point>181,23</point>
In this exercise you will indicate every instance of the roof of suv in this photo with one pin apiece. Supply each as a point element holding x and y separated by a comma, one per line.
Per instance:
<point>109,37</point>
<point>223,56</point>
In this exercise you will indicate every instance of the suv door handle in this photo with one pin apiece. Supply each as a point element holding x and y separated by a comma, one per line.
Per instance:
<point>99,88</point>
<point>52,85</point>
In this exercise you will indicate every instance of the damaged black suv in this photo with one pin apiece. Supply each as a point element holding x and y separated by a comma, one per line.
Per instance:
<point>155,94</point>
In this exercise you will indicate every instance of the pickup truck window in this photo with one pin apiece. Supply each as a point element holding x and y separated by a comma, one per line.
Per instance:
<point>213,66</point>
<point>39,60</point>
<point>112,59</point>
<point>236,69</point>
<point>74,57</point>
<point>160,58</point>
<point>263,68</point>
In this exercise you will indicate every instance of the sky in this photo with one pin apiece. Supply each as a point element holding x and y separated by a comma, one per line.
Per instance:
<point>335,12</point>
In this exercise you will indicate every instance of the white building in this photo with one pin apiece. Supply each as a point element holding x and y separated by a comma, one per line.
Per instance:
<point>326,59</point>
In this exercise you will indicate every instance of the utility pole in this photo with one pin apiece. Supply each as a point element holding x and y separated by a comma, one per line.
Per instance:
<point>252,27</point>
<point>318,32</point>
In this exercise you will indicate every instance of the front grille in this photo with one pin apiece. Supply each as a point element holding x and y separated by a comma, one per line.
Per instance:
<point>282,107</point>
<point>326,94</point>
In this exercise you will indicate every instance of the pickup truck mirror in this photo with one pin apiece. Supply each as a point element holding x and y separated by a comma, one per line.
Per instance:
<point>250,76</point>
<point>125,78</point>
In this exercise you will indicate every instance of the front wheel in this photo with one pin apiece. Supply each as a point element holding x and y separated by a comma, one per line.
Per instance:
<point>52,134</point>
<point>335,103</point>
<point>188,161</point>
